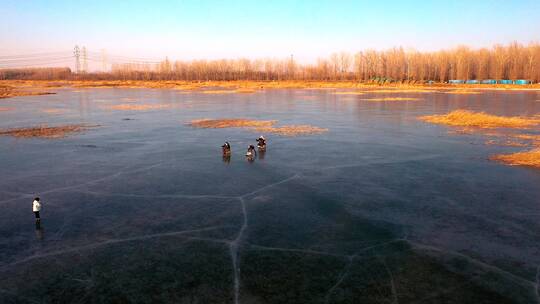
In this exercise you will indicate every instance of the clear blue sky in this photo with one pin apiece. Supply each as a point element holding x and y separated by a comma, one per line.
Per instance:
<point>218,29</point>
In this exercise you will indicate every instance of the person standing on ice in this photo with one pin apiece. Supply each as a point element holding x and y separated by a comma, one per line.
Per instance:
<point>250,151</point>
<point>36,207</point>
<point>261,143</point>
<point>226,148</point>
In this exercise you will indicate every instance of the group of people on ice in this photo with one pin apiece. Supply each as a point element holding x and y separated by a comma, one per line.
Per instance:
<point>251,152</point>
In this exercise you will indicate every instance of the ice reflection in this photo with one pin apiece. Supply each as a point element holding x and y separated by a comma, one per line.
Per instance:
<point>39,230</point>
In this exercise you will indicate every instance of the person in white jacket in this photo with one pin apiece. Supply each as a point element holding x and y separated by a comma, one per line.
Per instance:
<point>36,207</point>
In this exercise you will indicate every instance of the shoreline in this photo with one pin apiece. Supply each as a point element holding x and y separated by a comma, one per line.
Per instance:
<point>249,86</point>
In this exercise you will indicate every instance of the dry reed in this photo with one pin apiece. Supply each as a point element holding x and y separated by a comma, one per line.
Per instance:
<point>255,85</point>
<point>7,92</point>
<point>464,118</point>
<point>245,90</point>
<point>231,123</point>
<point>45,132</point>
<point>260,126</point>
<point>291,130</point>
<point>528,158</point>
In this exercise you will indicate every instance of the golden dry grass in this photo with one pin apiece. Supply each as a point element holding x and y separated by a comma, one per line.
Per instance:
<point>7,91</point>
<point>260,126</point>
<point>45,131</point>
<point>231,123</point>
<point>291,130</point>
<point>256,85</point>
<point>392,99</point>
<point>527,158</point>
<point>137,107</point>
<point>464,118</point>
<point>478,122</point>
<point>245,90</point>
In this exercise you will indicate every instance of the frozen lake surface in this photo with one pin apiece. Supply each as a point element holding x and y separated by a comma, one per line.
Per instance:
<point>383,208</point>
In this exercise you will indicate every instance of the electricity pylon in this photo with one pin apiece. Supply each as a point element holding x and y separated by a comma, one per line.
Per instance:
<point>77,53</point>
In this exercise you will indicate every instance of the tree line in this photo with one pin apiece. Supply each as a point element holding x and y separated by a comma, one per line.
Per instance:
<point>512,61</point>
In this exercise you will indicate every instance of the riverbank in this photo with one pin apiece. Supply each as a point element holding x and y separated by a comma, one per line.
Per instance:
<point>14,86</point>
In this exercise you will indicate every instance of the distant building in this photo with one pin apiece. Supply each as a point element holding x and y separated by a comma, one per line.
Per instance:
<point>489,81</point>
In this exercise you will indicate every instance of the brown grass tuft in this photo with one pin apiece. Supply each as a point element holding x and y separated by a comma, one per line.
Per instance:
<point>527,158</point>
<point>45,131</point>
<point>8,91</point>
<point>137,107</point>
<point>260,126</point>
<point>291,130</point>
<point>464,118</point>
<point>231,123</point>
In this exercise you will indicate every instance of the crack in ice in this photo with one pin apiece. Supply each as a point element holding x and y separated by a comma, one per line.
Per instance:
<point>271,185</point>
<point>392,283</point>
<point>502,272</point>
<point>341,278</point>
<point>116,241</point>
<point>233,248</point>
<point>90,182</point>
<point>192,196</point>
<point>306,251</point>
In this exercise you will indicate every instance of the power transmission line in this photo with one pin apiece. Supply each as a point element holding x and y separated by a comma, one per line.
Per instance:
<point>34,59</point>
<point>42,64</point>
<point>85,60</point>
<point>7,57</point>
<point>103,61</point>
<point>60,57</point>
